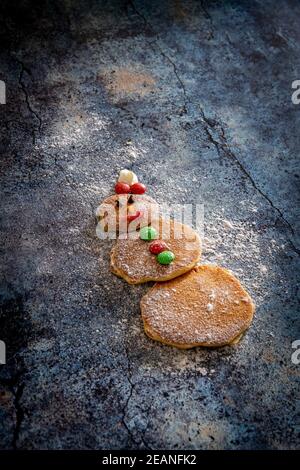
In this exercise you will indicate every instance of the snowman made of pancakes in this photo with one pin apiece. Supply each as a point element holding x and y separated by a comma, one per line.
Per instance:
<point>190,304</point>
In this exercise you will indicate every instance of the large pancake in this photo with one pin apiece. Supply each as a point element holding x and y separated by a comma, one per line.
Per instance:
<point>205,307</point>
<point>117,206</point>
<point>132,260</point>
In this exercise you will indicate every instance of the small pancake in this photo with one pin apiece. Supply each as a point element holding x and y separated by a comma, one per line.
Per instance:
<point>205,307</point>
<point>116,208</point>
<point>132,260</point>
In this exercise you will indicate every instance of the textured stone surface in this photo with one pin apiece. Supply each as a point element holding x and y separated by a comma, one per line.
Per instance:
<point>196,98</point>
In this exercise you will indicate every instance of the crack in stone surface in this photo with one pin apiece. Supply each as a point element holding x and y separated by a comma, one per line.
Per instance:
<point>208,17</point>
<point>185,101</point>
<point>229,154</point>
<point>163,54</point>
<point>125,408</point>
<point>27,100</point>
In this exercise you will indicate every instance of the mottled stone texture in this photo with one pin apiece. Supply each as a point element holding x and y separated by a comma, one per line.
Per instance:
<point>196,98</point>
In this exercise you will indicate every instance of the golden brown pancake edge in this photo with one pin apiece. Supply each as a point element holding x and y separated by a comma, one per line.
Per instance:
<point>246,304</point>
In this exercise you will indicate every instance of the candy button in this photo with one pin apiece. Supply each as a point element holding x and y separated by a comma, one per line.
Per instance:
<point>128,177</point>
<point>148,233</point>
<point>122,188</point>
<point>138,188</point>
<point>157,247</point>
<point>165,257</point>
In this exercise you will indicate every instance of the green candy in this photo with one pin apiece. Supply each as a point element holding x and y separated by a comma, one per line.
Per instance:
<point>148,233</point>
<point>165,257</point>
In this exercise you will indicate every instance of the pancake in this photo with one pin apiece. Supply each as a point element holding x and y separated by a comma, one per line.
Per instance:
<point>205,307</point>
<point>132,260</point>
<point>113,211</point>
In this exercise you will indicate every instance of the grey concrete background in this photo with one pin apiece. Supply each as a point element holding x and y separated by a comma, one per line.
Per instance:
<point>196,98</point>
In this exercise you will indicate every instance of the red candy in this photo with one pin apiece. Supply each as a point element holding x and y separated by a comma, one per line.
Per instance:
<point>138,188</point>
<point>157,247</point>
<point>122,188</point>
<point>132,217</point>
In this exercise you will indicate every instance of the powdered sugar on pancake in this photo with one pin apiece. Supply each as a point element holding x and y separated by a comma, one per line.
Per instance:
<point>176,312</point>
<point>132,259</point>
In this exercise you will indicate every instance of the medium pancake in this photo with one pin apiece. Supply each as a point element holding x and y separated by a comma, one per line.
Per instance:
<point>118,206</point>
<point>132,260</point>
<point>205,307</point>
